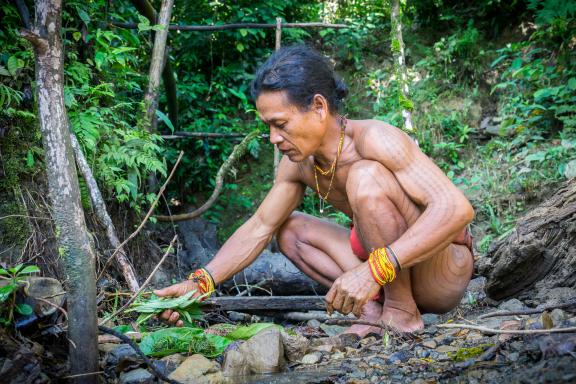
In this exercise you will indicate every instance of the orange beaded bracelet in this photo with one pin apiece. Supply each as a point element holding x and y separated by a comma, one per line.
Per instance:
<point>204,280</point>
<point>382,269</point>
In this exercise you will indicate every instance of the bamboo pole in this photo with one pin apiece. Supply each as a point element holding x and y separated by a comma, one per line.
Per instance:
<point>225,27</point>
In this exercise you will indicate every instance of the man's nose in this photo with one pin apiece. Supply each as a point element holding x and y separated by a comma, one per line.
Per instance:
<point>275,137</point>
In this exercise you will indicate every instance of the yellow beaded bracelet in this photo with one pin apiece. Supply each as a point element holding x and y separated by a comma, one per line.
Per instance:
<point>382,269</point>
<point>204,280</point>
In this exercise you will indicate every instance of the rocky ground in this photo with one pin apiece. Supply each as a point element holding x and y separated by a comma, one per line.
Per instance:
<point>312,352</point>
<point>317,354</point>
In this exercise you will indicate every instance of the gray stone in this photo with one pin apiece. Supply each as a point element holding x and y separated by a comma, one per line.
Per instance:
<point>570,170</point>
<point>314,324</point>
<point>312,358</point>
<point>512,305</point>
<point>137,376</point>
<point>430,319</point>
<point>263,353</point>
<point>295,346</point>
<point>558,316</point>
<point>200,243</point>
<point>556,295</point>
<point>121,358</point>
<point>399,357</point>
<point>168,364</point>
<point>429,344</point>
<point>513,356</point>
<point>477,284</point>
<point>197,369</point>
<point>332,330</point>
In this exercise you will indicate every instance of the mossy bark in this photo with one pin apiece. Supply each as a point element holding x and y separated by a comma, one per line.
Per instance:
<point>73,239</point>
<point>540,254</point>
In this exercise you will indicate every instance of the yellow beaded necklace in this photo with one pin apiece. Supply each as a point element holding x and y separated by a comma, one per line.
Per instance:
<point>332,169</point>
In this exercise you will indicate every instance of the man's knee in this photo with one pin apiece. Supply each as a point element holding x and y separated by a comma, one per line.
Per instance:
<point>291,234</point>
<point>368,181</point>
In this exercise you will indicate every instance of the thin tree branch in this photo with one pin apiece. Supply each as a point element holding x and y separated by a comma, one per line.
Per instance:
<point>209,135</point>
<point>37,41</point>
<point>508,331</point>
<point>528,311</point>
<point>102,214</point>
<point>223,27</point>
<point>235,155</point>
<point>24,13</point>
<point>134,346</point>
<point>148,214</point>
<point>158,53</point>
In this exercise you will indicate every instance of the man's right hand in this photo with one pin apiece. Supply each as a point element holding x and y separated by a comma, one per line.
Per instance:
<point>176,290</point>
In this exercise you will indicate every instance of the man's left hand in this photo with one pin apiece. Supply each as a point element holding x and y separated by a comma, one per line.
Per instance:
<point>351,291</point>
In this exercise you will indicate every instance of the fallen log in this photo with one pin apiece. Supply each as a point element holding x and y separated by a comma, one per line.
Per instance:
<point>275,273</point>
<point>259,303</point>
<point>540,254</point>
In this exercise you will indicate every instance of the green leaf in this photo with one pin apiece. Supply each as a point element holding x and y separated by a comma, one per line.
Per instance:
<point>572,83</point>
<point>30,159</point>
<point>4,71</point>
<point>516,64</point>
<point>29,269</point>
<point>84,16</point>
<point>538,156</point>
<point>6,291</point>
<point>14,64</point>
<point>162,116</point>
<point>243,32</point>
<point>123,328</point>
<point>240,47</point>
<point>23,309</point>
<point>244,333</point>
<point>76,36</point>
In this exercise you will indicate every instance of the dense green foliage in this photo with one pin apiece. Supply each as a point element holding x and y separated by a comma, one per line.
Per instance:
<point>509,61</point>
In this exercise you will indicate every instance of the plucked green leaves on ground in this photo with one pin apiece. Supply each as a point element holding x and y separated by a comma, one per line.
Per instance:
<point>183,339</point>
<point>195,340</point>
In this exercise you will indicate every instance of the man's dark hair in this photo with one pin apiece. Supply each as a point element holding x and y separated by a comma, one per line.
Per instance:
<point>302,72</point>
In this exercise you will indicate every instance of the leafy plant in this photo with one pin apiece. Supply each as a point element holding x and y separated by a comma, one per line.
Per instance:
<point>187,306</point>
<point>11,280</point>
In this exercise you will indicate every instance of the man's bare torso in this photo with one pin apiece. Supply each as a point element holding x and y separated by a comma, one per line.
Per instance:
<point>356,147</point>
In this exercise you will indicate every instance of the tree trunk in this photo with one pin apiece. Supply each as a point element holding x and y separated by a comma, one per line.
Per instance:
<point>400,64</point>
<point>147,10</point>
<point>151,96</point>
<point>73,240</point>
<point>540,254</point>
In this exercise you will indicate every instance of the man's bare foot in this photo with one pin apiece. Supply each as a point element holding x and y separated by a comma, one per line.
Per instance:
<point>401,319</point>
<point>372,311</point>
<point>394,316</point>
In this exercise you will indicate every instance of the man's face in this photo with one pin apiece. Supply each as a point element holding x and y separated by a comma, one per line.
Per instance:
<point>297,133</point>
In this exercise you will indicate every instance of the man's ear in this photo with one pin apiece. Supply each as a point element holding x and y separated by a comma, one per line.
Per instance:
<point>320,106</point>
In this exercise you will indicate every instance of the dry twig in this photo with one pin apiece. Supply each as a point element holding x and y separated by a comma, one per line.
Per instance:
<point>528,311</point>
<point>123,308</point>
<point>508,331</point>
